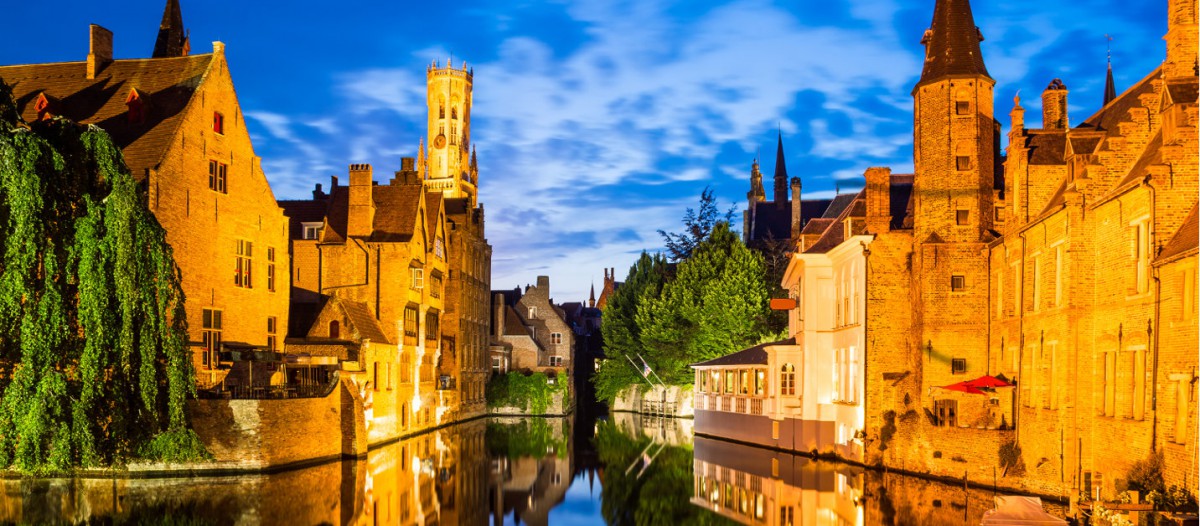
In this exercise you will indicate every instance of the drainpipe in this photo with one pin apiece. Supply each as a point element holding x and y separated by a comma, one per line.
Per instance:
<point>1019,304</point>
<point>866,337</point>
<point>1152,326</point>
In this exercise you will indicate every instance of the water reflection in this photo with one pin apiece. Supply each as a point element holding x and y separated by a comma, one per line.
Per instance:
<point>622,470</point>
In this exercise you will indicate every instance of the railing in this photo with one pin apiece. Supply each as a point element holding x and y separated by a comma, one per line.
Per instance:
<point>273,392</point>
<point>756,406</point>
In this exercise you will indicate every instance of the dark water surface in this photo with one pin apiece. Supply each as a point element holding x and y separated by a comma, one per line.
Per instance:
<point>621,469</point>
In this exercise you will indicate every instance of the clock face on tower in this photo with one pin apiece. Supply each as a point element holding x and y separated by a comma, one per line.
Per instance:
<point>439,141</point>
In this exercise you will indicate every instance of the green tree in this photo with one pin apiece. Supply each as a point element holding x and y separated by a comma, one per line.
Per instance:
<point>715,305</point>
<point>92,326</point>
<point>697,226</point>
<point>621,333</point>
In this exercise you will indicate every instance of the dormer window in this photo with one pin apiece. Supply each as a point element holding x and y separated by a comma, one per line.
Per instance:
<point>137,107</point>
<point>46,106</point>
<point>218,123</point>
<point>311,230</point>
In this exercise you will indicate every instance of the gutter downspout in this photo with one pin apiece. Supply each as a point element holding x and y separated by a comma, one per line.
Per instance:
<point>1153,325</point>
<point>866,335</point>
<point>1019,304</point>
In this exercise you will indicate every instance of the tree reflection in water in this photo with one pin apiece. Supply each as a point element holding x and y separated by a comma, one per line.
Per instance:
<point>520,471</point>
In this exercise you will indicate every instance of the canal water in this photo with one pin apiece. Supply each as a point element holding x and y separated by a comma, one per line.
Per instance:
<point>620,469</point>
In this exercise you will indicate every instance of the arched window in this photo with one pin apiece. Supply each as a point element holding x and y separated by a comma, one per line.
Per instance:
<point>334,329</point>
<point>441,110</point>
<point>787,380</point>
<point>453,112</point>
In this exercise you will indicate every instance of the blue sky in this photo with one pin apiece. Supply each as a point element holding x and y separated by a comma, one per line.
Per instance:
<point>599,122</point>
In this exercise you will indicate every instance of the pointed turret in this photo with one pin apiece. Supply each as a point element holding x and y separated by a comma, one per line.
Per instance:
<point>781,178</point>
<point>421,158</point>
<point>1110,88</point>
<point>952,43</point>
<point>756,193</point>
<point>474,167</point>
<point>172,39</point>
<point>592,297</point>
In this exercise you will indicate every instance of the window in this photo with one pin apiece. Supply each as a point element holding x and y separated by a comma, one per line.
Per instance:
<point>946,412</point>
<point>431,326</point>
<point>497,365</point>
<point>999,215</point>
<point>1139,250</point>
<point>453,112</point>
<point>958,365</point>
<point>410,321</point>
<point>211,324</point>
<point>962,162</point>
<point>532,312</point>
<point>218,123</point>
<point>1037,283</point>
<point>243,274</point>
<point>311,230</point>
<point>787,516</point>
<point>962,217</point>
<point>958,283</point>
<point>556,337</point>
<point>435,285</point>
<point>271,324</point>
<point>216,176</point>
<point>787,380</point>
<point>962,107</point>
<point>760,382</point>
<point>556,361</point>
<point>442,110</point>
<point>1058,276</point>
<point>743,382</point>
<point>1187,296</point>
<point>416,278</point>
<point>271,269</point>
<point>729,382</point>
<point>439,248</point>
<point>335,329</point>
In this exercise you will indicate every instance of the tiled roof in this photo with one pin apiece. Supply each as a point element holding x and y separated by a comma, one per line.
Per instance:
<point>837,205</point>
<point>396,208</point>
<point>433,206</point>
<point>1183,92</point>
<point>817,226</point>
<point>1185,241</point>
<point>756,355</point>
<point>1150,156</point>
<point>1118,110</point>
<point>303,211</point>
<point>774,220</point>
<point>952,43</point>
<point>363,321</point>
<point>1047,147</point>
<point>835,233</point>
<point>166,86</point>
<point>512,323</point>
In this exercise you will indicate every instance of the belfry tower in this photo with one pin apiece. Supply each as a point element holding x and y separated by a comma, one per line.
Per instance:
<point>450,164</point>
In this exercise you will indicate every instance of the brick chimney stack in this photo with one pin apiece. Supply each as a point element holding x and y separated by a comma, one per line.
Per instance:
<point>796,207</point>
<point>360,215</point>
<point>879,199</point>
<point>498,315</point>
<point>100,50</point>
<point>1054,106</point>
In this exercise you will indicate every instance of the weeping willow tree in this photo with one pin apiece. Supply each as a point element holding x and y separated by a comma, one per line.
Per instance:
<point>94,368</point>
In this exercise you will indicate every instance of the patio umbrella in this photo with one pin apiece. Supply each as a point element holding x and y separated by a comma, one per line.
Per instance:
<point>964,387</point>
<point>987,381</point>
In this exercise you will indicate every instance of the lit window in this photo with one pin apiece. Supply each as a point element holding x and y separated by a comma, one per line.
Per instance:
<point>218,123</point>
<point>787,380</point>
<point>243,276</point>
<point>211,324</point>
<point>216,176</point>
<point>416,278</point>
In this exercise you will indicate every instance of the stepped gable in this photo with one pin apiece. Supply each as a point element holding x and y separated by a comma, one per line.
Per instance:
<point>165,85</point>
<point>1185,242</point>
<point>1117,111</point>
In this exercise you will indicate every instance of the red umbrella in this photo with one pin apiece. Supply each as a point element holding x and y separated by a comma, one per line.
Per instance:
<point>987,381</point>
<point>964,387</point>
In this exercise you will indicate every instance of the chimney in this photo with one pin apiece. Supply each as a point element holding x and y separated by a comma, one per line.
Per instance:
<point>318,193</point>
<point>100,51</point>
<point>498,306</point>
<point>360,215</point>
<point>407,164</point>
<point>796,207</point>
<point>1054,106</point>
<point>543,284</point>
<point>408,172</point>
<point>333,183</point>
<point>879,199</point>
<point>1017,114</point>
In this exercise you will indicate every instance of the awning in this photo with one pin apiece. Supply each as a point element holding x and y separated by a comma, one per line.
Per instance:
<point>989,382</point>
<point>251,356</point>
<point>1019,511</point>
<point>961,387</point>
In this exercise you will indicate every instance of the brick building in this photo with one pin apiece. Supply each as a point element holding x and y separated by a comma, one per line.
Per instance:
<point>531,333</point>
<point>1064,264</point>
<point>177,120</point>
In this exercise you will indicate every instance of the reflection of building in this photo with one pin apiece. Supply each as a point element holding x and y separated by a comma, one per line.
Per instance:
<point>531,333</point>
<point>1065,264</point>
<point>178,122</point>
<point>759,486</point>
<point>530,486</point>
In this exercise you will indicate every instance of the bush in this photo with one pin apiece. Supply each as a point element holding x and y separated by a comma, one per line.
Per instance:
<point>1010,459</point>
<point>175,445</point>
<point>1146,475</point>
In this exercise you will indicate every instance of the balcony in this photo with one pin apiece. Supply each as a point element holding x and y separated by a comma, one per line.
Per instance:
<point>744,404</point>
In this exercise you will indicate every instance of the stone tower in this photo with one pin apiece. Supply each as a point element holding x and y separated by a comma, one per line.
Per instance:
<point>955,149</point>
<point>451,167</point>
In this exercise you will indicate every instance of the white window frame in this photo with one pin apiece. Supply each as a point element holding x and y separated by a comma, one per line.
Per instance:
<point>311,230</point>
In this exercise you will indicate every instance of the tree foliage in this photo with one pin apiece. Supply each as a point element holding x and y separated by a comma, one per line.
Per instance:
<point>622,335</point>
<point>92,327</point>
<point>697,226</point>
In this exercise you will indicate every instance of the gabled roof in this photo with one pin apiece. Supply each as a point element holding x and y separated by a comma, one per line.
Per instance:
<point>303,211</point>
<point>1184,242</point>
<point>1047,147</point>
<point>166,86</point>
<point>512,323</point>
<point>774,220</point>
<point>363,321</point>
<point>396,212</point>
<point>433,206</point>
<point>952,43</point>
<point>756,355</point>
<point>1118,110</point>
<point>838,204</point>
<point>835,233</point>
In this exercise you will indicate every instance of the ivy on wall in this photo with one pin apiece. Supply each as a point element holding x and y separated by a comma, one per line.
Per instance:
<point>532,393</point>
<point>94,368</point>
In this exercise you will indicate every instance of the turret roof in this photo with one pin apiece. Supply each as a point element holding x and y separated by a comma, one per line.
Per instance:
<point>952,43</point>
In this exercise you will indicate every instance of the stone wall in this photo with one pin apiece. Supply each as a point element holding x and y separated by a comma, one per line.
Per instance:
<point>560,404</point>
<point>641,398</point>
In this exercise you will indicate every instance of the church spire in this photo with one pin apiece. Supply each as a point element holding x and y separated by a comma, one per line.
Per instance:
<point>781,178</point>
<point>172,39</point>
<point>952,43</point>
<point>1110,88</point>
<point>592,297</point>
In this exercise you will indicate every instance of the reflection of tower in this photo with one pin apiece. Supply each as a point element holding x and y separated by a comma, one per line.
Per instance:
<point>451,166</point>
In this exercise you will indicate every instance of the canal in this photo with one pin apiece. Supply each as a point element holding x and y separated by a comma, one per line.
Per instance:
<point>622,469</point>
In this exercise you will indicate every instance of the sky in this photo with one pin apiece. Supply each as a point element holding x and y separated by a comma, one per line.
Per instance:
<point>599,122</point>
